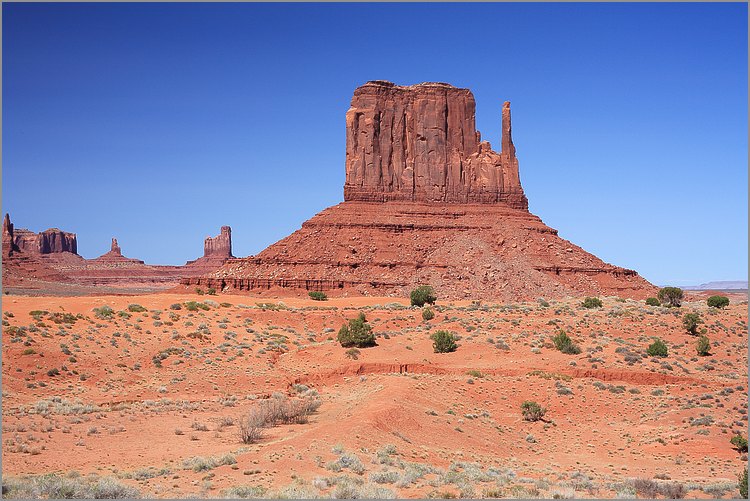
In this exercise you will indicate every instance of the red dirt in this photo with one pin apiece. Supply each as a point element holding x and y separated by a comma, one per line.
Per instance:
<point>398,392</point>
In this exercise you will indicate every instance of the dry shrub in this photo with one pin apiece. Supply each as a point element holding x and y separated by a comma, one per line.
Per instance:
<point>279,409</point>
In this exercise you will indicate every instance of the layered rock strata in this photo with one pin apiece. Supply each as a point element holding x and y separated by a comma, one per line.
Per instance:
<point>426,201</point>
<point>468,250</point>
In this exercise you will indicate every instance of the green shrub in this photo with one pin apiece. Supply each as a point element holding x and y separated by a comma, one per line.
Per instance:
<point>739,442</point>
<point>317,296</point>
<point>195,306</point>
<point>592,302</point>
<point>357,333</point>
<point>28,351</point>
<point>565,344</point>
<point>211,291</point>
<point>718,301</point>
<point>428,314</point>
<point>703,346</point>
<point>136,308</point>
<point>671,296</point>
<point>657,349</point>
<point>424,294</point>
<point>175,306</point>
<point>691,321</point>
<point>742,484</point>
<point>104,312</point>
<point>199,291</point>
<point>443,342</point>
<point>652,301</point>
<point>532,411</point>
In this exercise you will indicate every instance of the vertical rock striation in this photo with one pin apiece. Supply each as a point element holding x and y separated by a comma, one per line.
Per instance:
<point>220,245</point>
<point>419,143</point>
<point>8,246</point>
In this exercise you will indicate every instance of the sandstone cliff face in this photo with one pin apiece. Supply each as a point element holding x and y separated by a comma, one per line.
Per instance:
<point>220,245</point>
<point>50,241</point>
<point>8,246</point>
<point>420,143</point>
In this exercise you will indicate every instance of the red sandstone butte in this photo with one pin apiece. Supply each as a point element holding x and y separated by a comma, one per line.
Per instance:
<point>420,144</point>
<point>37,261</point>
<point>427,202</point>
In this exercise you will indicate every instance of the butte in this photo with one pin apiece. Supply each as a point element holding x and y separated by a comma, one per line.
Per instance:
<point>426,201</point>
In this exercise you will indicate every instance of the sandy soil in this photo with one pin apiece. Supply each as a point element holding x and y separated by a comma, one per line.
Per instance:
<point>85,394</point>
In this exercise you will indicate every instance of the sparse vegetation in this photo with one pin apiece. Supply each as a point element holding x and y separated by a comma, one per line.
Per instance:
<point>443,342</point>
<point>195,306</point>
<point>742,484</point>
<point>71,486</point>
<point>427,314</point>
<point>356,333</point>
<point>657,349</point>
<point>136,308</point>
<point>690,322</point>
<point>532,411</point>
<point>352,353</point>
<point>671,296</point>
<point>718,301</point>
<point>104,312</point>
<point>211,291</point>
<point>739,442</point>
<point>317,296</point>
<point>703,346</point>
<point>565,344</point>
<point>422,295</point>
<point>592,302</point>
<point>277,409</point>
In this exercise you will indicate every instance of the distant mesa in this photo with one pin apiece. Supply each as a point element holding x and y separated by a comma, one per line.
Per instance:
<point>35,260</point>
<point>50,241</point>
<point>426,201</point>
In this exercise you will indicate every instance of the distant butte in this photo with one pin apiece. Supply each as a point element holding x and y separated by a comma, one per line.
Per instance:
<point>50,261</point>
<point>426,201</point>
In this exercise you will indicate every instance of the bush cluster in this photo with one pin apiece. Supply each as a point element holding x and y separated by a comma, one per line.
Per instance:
<point>278,409</point>
<point>104,312</point>
<point>703,346</point>
<point>652,301</point>
<point>565,344</point>
<point>691,321</point>
<point>424,294</point>
<point>592,302</point>
<point>532,411</point>
<point>739,442</point>
<point>657,349</point>
<point>671,296</point>
<point>195,306</point>
<point>317,296</point>
<point>443,342</point>
<point>136,308</point>
<point>718,301</point>
<point>356,333</point>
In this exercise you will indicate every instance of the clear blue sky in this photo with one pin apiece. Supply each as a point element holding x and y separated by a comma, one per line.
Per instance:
<point>158,123</point>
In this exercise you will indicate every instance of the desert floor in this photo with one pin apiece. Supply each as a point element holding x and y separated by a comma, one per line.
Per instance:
<point>152,400</point>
